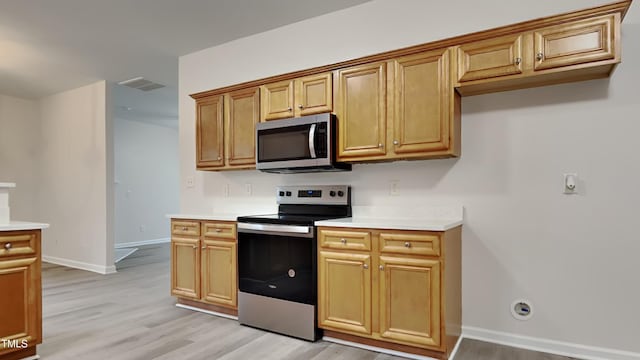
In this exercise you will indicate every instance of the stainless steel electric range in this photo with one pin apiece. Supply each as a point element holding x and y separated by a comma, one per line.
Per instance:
<point>277,259</point>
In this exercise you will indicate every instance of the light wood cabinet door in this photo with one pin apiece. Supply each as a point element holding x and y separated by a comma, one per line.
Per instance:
<point>314,94</point>
<point>243,113</point>
<point>410,300</point>
<point>422,103</point>
<point>185,267</point>
<point>344,281</point>
<point>276,100</point>
<point>577,42</point>
<point>361,112</point>
<point>490,58</point>
<point>219,272</point>
<point>210,132</point>
<point>20,317</point>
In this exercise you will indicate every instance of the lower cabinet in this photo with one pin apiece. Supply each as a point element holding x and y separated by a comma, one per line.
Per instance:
<point>203,263</point>
<point>390,292</point>
<point>20,279</point>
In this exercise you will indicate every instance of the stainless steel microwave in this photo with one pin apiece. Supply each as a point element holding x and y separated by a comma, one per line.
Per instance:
<point>297,145</point>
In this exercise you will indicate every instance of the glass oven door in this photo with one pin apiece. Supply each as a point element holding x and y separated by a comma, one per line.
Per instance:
<point>277,261</point>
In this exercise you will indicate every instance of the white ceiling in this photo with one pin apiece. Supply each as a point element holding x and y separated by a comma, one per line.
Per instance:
<point>48,46</point>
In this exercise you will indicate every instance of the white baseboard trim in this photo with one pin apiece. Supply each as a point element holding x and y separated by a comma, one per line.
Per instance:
<point>227,316</point>
<point>548,346</point>
<point>381,350</point>
<point>143,242</point>
<point>104,270</point>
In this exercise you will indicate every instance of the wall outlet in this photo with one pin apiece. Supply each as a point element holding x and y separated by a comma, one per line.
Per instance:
<point>143,228</point>
<point>190,182</point>
<point>226,190</point>
<point>393,188</point>
<point>248,189</point>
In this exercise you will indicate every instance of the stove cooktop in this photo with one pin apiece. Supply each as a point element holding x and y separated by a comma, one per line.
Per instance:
<point>284,219</point>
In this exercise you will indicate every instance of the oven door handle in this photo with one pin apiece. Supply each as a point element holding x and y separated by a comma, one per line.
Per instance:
<point>287,230</point>
<point>312,141</point>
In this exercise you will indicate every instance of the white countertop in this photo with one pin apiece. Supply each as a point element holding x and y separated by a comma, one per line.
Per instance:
<point>7,185</point>
<point>214,216</point>
<point>394,224</point>
<point>22,225</point>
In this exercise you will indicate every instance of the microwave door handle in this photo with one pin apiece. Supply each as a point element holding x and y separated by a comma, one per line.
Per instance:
<point>312,138</point>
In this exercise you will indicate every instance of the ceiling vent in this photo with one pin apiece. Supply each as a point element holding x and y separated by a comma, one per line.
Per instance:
<point>141,83</point>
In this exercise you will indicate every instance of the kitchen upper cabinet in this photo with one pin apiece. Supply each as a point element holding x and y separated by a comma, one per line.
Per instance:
<point>490,58</point>
<point>243,113</point>
<point>410,300</point>
<point>570,51</point>
<point>344,280</point>
<point>210,132</point>
<point>362,112</point>
<point>578,42</point>
<point>425,107</point>
<point>225,130</point>
<point>298,97</point>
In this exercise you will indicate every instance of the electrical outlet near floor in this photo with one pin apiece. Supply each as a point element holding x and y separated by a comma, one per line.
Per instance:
<point>248,189</point>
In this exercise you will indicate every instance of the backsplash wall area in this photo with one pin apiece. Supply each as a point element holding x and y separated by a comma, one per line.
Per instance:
<point>572,256</point>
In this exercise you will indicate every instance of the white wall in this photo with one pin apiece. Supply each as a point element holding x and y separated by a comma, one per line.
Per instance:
<point>573,256</point>
<point>147,180</point>
<point>73,178</point>
<point>19,139</point>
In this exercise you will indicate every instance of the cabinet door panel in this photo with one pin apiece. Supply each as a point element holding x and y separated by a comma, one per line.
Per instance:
<point>422,103</point>
<point>314,94</point>
<point>345,292</point>
<point>410,300</point>
<point>209,132</point>
<point>219,272</point>
<point>20,315</point>
<point>276,100</point>
<point>243,114</point>
<point>490,58</point>
<point>185,268</point>
<point>576,43</point>
<point>361,111</point>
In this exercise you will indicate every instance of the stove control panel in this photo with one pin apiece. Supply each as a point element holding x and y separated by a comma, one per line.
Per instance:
<point>314,194</point>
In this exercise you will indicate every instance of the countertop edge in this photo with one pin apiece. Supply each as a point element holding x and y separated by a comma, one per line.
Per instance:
<point>218,217</point>
<point>23,225</point>
<point>392,224</point>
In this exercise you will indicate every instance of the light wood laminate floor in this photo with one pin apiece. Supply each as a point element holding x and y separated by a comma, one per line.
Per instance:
<point>131,315</point>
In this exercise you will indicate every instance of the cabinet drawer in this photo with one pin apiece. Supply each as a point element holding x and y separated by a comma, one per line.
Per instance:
<point>413,243</point>
<point>17,244</point>
<point>188,228</point>
<point>219,230</point>
<point>347,240</point>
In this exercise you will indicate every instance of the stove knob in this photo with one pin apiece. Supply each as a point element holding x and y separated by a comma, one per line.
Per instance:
<point>341,193</point>
<point>281,193</point>
<point>332,193</point>
<point>288,193</point>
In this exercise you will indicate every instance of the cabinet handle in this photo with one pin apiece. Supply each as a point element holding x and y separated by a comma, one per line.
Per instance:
<point>540,56</point>
<point>204,248</point>
<point>195,247</point>
<point>380,145</point>
<point>381,267</point>
<point>518,61</point>
<point>300,106</point>
<point>218,230</point>
<point>343,240</point>
<point>395,142</point>
<point>407,244</point>
<point>366,266</point>
<point>7,246</point>
<point>289,108</point>
<point>185,228</point>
